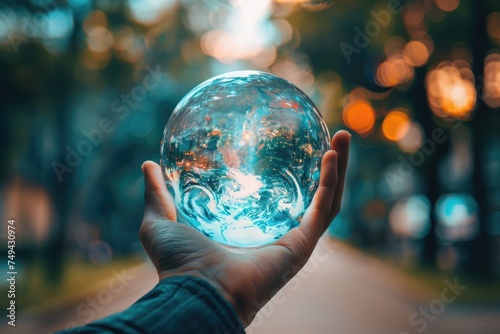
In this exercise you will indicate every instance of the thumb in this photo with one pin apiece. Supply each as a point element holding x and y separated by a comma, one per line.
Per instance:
<point>158,202</point>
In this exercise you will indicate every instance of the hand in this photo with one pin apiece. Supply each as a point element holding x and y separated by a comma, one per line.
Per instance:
<point>252,276</point>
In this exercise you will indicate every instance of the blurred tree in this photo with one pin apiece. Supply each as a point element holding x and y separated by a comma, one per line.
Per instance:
<point>485,124</point>
<point>41,86</point>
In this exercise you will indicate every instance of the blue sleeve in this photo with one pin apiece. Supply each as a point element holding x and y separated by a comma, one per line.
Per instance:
<point>179,304</point>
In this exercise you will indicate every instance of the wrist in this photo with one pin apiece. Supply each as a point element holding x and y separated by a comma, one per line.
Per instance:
<point>197,296</point>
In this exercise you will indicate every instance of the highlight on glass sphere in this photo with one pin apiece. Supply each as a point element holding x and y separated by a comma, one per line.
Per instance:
<point>241,157</point>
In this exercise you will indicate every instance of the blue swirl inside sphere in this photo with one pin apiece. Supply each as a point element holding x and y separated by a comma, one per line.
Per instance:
<point>241,157</point>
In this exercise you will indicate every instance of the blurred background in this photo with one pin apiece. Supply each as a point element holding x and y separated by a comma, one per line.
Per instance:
<point>87,87</point>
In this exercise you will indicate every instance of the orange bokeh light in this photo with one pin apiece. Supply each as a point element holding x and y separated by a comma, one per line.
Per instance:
<point>459,99</point>
<point>447,5</point>
<point>395,125</point>
<point>416,53</point>
<point>394,71</point>
<point>414,20</point>
<point>359,116</point>
<point>95,19</point>
<point>493,26</point>
<point>450,89</point>
<point>491,89</point>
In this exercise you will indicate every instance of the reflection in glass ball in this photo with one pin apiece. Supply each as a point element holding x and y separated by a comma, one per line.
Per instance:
<point>241,155</point>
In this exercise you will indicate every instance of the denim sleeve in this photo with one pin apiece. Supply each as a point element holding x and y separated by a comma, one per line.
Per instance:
<point>179,304</point>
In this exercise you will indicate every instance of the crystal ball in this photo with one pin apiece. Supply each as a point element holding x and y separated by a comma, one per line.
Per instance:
<point>241,156</point>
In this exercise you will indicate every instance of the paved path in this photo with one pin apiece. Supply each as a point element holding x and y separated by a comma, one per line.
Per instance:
<point>340,290</point>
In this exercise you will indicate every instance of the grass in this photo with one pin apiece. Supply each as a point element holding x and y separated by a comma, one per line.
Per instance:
<point>33,289</point>
<point>479,291</point>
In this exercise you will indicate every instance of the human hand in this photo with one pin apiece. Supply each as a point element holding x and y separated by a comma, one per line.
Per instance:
<point>249,277</point>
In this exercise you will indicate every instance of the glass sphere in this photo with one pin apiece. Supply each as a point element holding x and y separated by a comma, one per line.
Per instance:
<point>241,157</point>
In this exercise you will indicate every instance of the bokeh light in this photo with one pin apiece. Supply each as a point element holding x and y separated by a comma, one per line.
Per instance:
<point>151,11</point>
<point>359,116</point>
<point>414,20</point>
<point>58,24</point>
<point>493,26</point>
<point>491,84</point>
<point>128,45</point>
<point>416,53</point>
<point>53,28</point>
<point>396,125</point>
<point>410,217</point>
<point>243,31</point>
<point>99,41</point>
<point>413,139</point>
<point>450,89</point>
<point>296,72</point>
<point>457,217</point>
<point>447,5</point>
<point>394,71</point>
